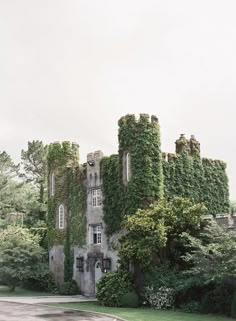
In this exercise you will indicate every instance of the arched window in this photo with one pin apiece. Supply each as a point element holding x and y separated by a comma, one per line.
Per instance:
<point>52,185</point>
<point>128,166</point>
<point>61,217</point>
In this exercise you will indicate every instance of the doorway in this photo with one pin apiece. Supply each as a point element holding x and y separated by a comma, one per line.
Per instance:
<point>98,273</point>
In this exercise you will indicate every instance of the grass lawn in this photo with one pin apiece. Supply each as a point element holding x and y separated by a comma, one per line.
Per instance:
<point>4,291</point>
<point>144,314</point>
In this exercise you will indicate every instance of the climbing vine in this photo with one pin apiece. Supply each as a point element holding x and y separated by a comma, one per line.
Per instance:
<point>112,193</point>
<point>200,180</point>
<point>155,174</point>
<point>141,139</point>
<point>63,161</point>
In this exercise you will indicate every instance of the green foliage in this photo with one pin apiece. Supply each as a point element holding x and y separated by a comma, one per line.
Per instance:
<point>130,300</point>
<point>111,288</point>
<point>112,193</point>
<point>69,288</point>
<point>34,161</point>
<point>20,255</point>
<point>149,230</point>
<point>141,139</point>
<point>213,255</point>
<point>218,300</point>
<point>63,161</point>
<point>154,174</point>
<point>43,280</point>
<point>233,207</point>
<point>233,306</point>
<point>191,307</point>
<point>201,180</point>
<point>163,275</point>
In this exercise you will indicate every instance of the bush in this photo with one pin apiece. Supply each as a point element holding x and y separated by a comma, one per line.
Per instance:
<point>42,281</point>
<point>162,276</point>
<point>112,287</point>
<point>69,288</point>
<point>218,300</point>
<point>233,307</point>
<point>130,300</point>
<point>191,307</point>
<point>162,298</point>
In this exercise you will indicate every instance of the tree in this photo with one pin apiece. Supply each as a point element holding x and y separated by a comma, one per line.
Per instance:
<point>34,161</point>
<point>233,207</point>
<point>149,232</point>
<point>213,255</point>
<point>8,183</point>
<point>20,256</point>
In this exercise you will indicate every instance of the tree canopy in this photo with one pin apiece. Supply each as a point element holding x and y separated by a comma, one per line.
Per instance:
<point>20,255</point>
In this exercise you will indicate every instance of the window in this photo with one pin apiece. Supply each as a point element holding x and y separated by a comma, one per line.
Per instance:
<point>52,185</point>
<point>96,197</point>
<point>61,217</point>
<point>128,166</point>
<point>96,234</point>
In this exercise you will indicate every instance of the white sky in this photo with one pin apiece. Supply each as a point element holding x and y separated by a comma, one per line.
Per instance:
<point>70,69</point>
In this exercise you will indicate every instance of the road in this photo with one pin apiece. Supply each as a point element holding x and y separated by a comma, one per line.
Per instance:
<point>10,311</point>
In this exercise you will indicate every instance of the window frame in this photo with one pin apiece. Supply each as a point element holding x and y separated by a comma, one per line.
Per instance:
<point>96,234</point>
<point>52,184</point>
<point>61,217</point>
<point>96,197</point>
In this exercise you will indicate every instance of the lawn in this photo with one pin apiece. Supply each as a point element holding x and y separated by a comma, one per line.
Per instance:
<point>144,314</point>
<point>4,291</point>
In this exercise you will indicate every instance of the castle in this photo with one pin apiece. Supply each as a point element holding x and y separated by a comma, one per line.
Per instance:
<point>86,202</point>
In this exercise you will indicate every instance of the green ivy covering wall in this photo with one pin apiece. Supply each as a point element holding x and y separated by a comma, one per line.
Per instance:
<point>112,193</point>
<point>63,161</point>
<point>154,175</point>
<point>141,139</point>
<point>201,180</point>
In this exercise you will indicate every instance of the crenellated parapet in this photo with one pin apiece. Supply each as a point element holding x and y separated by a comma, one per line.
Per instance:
<point>140,160</point>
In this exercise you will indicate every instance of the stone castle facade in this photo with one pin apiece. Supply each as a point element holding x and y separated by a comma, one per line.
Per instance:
<point>71,183</point>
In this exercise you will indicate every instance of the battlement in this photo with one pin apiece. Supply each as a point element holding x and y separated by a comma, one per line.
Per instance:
<point>131,118</point>
<point>70,150</point>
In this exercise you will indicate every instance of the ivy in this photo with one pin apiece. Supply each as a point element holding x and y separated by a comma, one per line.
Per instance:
<point>141,139</point>
<point>200,180</point>
<point>155,174</point>
<point>112,193</point>
<point>63,161</point>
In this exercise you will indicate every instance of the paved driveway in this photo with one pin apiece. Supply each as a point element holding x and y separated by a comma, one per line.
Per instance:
<point>27,312</point>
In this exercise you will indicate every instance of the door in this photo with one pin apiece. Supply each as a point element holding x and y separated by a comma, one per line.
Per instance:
<point>98,273</point>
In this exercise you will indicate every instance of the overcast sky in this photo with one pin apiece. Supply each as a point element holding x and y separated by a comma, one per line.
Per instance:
<point>69,69</point>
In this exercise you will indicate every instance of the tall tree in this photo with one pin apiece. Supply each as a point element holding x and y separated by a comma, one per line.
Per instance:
<point>34,161</point>
<point>213,255</point>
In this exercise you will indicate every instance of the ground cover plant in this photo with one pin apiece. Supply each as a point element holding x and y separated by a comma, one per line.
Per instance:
<point>142,314</point>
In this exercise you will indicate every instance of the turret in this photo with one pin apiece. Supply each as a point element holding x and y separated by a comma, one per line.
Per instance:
<point>140,160</point>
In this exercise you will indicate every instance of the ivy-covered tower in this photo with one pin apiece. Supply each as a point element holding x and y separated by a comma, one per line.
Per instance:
<point>66,206</point>
<point>140,161</point>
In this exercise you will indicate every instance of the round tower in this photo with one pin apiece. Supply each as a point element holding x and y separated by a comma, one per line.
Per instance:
<point>140,161</point>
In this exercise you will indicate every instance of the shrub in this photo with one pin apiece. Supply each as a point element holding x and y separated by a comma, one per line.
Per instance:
<point>162,275</point>
<point>191,307</point>
<point>218,300</point>
<point>112,286</point>
<point>162,298</point>
<point>130,300</point>
<point>42,281</point>
<point>233,307</point>
<point>69,288</point>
